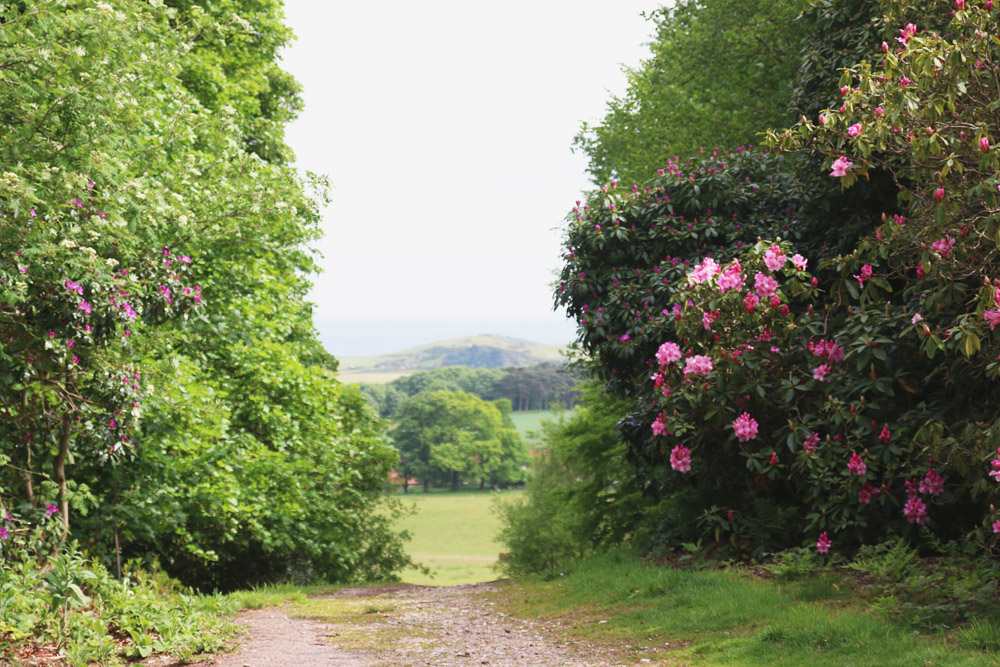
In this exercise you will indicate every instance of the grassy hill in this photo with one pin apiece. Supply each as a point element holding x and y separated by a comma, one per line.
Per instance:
<point>486,351</point>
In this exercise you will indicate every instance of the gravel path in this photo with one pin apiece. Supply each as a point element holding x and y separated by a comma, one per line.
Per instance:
<point>397,626</point>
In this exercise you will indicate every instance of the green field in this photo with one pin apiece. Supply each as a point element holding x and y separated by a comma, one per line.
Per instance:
<point>453,535</point>
<point>530,421</point>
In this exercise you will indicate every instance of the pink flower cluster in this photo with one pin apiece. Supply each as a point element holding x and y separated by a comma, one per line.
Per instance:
<point>914,510</point>
<point>699,364</point>
<point>857,466</point>
<point>745,427</point>
<point>680,458</point>
<point>668,353</point>
<point>865,494</point>
<point>809,445</point>
<point>827,350</point>
<point>660,426</point>
<point>933,484</point>
<point>764,285</point>
<point>943,246</point>
<point>995,473</point>
<point>823,544</point>
<point>774,259</point>
<point>992,317</point>
<point>840,167</point>
<point>731,278</point>
<point>704,272</point>
<point>707,319</point>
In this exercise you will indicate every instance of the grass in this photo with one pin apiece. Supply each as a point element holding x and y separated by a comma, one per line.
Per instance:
<point>453,534</point>
<point>529,422</point>
<point>733,618</point>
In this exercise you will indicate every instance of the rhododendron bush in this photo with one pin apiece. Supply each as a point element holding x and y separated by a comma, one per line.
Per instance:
<point>790,394</point>
<point>161,384</point>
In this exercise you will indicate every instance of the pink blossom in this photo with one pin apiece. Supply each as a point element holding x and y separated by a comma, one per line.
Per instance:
<point>905,81</point>
<point>915,510</point>
<point>660,426</point>
<point>750,302</point>
<point>885,435</point>
<point>865,494</point>
<point>707,319</point>
<point>810,443</point>
<point>745,427</point>
<point>933,484</point>
<point>774,459</point>
<point>703,272</point>
<point>984,145</point>
<point>866,274</point>
<point>4,534</point>
<point>840,166</point>
<point>943,246</point>
<point>879,111</point>
<point>828,350</point>
<point>820,372</point>
<point>668,353</point>
<point>823,544</point>
<point>916,318</point>
<point>85,307</point>
<point>799,262</point>
<point>774,259</point>
<point>906,33</point>
<point>854,130</point>
<point>939,194</point>
<point>731,278</point>
<point>764,285</point>
<point>959,5</point>
<point>856,465</point>
<point>699,364</point>
<point>51,509</point>
<point>680,459</point>
<point>996,526</point>
<point>992,318</point>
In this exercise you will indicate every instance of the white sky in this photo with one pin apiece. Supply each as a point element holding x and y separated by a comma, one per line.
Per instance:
<point>445,127</point>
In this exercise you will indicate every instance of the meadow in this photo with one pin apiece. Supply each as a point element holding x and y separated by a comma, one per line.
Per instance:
<point>453,534</point>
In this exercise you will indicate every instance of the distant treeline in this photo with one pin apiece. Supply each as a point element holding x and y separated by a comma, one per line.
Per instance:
<point>536,387</point>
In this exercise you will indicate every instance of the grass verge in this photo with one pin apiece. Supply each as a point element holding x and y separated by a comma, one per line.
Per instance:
<point>672,616</point>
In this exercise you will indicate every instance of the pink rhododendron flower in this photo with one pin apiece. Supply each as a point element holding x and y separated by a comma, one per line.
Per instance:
<point>810,443</point>
<point>933,484</point>
<point>916,318</point>
<point>996,526</point>
<point>939,194</point>
<point>699,364</point>
<point>959,5</point>
<point>764,285</point>
<point>750,302</point>
<point>905,81</point>
<point>857,466</point>
<point>774,259</point>
<point>866,274</point>
<point>992,318</point>
<point>703,272</point>
<point>799,262</point>
<point>820,372</point>
<point>85,307</point>
<point>984,145</point>
<point>680,459</point>
<point>840,166</point>
<point>906,33</point>
<point>4,534</point>
<point>865,494</point>
<point>879,111</point>
<point>854,130</point>
<point>708,318</point>
<point>885,435</point>
<point>731,278</point>
<point>774,459</point>
<point>995,473</point>
<point>668,353</point>
<point>823,544</point>
<point>915,511</point>
<point>745,427</point>
<point>943,246</point>
<point>660,426</point>
<point>51,509</point>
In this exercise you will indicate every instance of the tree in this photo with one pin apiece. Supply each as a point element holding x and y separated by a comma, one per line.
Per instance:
<point>451,435</point>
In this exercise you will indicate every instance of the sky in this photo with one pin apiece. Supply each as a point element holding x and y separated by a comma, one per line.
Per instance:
<point>446,129</point>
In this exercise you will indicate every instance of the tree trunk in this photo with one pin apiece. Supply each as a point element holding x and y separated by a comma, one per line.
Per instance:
<point>427,486</point>
<point>454,480</point>
<point>406,484</point>
<point>59,472</point>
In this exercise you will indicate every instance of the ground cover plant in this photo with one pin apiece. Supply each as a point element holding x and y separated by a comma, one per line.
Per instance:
<point>734,617</point>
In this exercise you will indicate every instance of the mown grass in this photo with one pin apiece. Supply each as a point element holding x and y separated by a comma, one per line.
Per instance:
<point>529,423</point>
<point>453,534</point>
<point>733,618</point>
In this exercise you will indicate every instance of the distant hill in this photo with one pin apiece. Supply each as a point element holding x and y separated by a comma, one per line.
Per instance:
<point>486,351</point>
